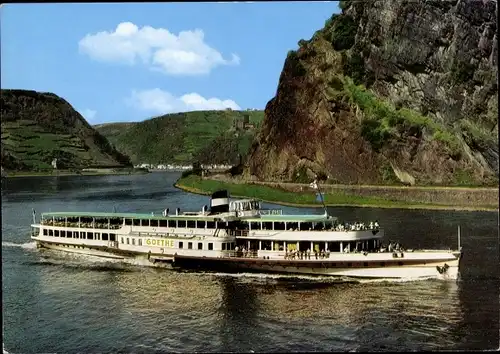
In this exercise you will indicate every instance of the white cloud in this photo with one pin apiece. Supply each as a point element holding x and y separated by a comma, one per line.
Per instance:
<point>184,54</point>
<point>162,102</point>
<point>88,114</point>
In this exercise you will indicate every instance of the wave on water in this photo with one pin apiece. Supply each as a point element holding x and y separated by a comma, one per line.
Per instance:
<point>90,262</point>
<point>314,278</point>
<point>26,246</point>
<point>4,350</point>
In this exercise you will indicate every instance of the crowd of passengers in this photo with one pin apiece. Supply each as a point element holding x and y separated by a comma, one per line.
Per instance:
<point>96,225</point>
<point>294,254</point>
<point>357,226</point>
<point>322,254</point>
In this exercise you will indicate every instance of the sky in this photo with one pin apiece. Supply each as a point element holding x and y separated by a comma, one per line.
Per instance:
<point>121,62</point>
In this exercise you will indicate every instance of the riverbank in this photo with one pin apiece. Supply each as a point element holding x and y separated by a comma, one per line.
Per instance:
<point>473,199</point>
<point>88,172</point>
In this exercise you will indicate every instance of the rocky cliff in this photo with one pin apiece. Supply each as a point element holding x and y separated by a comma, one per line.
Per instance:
<point>387,92</point>
<point>40,127</point>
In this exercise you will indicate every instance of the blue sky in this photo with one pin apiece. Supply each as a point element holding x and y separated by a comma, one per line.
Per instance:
<point>133,61</point>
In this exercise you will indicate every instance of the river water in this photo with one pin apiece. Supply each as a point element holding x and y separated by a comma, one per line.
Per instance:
<point>61,303</point>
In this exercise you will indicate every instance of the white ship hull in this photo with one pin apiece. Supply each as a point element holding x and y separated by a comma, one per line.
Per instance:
<point>415,265</point>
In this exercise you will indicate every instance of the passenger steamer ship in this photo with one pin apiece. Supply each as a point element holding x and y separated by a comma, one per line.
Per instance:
<point>237,235</point>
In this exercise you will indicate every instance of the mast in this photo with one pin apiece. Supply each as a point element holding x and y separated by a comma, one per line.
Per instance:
<point>315,185</point>
<point>459,237</point>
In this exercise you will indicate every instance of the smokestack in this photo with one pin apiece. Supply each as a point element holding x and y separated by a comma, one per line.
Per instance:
<point>219,202</point>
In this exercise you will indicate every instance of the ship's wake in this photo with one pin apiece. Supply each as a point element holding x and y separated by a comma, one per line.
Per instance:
<point>4,350</point>
<point>26,245</point>
<point>264,277</point>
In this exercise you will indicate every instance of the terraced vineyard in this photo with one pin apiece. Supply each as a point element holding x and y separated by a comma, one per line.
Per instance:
<point>206,136</point>
<point>38,127</point>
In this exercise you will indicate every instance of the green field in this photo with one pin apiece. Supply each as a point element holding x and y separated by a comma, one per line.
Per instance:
<point>182,138</point>
<point>195,184</point>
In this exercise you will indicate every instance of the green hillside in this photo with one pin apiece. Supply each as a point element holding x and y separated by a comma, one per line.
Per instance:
<point>39,127</point>
<point>210,137</point>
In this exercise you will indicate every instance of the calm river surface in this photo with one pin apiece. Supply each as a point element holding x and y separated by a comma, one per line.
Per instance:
<point>68,304</point>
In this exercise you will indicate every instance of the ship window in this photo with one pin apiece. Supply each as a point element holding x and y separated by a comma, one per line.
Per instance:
<point>292,225</point>
<point>181,223</point>
<point>191,224</point>
<point>181,244</point>
<point>112,237</point>
<point>267,225</point>
<point>154,223</point>
<point>200,245</point>
<point>333,264</point>
<point>223,246</point>
<point>382,264</point>
<point>305,226</point>
<point>255,225</point>
<point>365,264</point>
<point>210,246</point>
<point>200,224</point>
<point>133,241</point>
<point>190,245</point>
<point>139,242</point>
<point>349,264</point>
<point>128,222</point>
<point>128,241</point>
<point>63,233</point>
<point>45,232</point>
<point>122,240</point>
<point>163,223</point>
<point>69,234</point>
<point>137,222</point>
<point>210,224</point>
<point>56,233</point>
<point>232,245</point>
<point>171,223</point>
<point>400,263</point>
<point>97,236</point>
<point>144,222</point>
<point>279,225</point>
<point>104,237</point>
<point>90,236</point>
<point>51,232</point>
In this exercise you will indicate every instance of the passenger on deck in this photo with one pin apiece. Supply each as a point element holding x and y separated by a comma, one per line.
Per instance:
<point>316,254</point>
<point>308,253</point>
